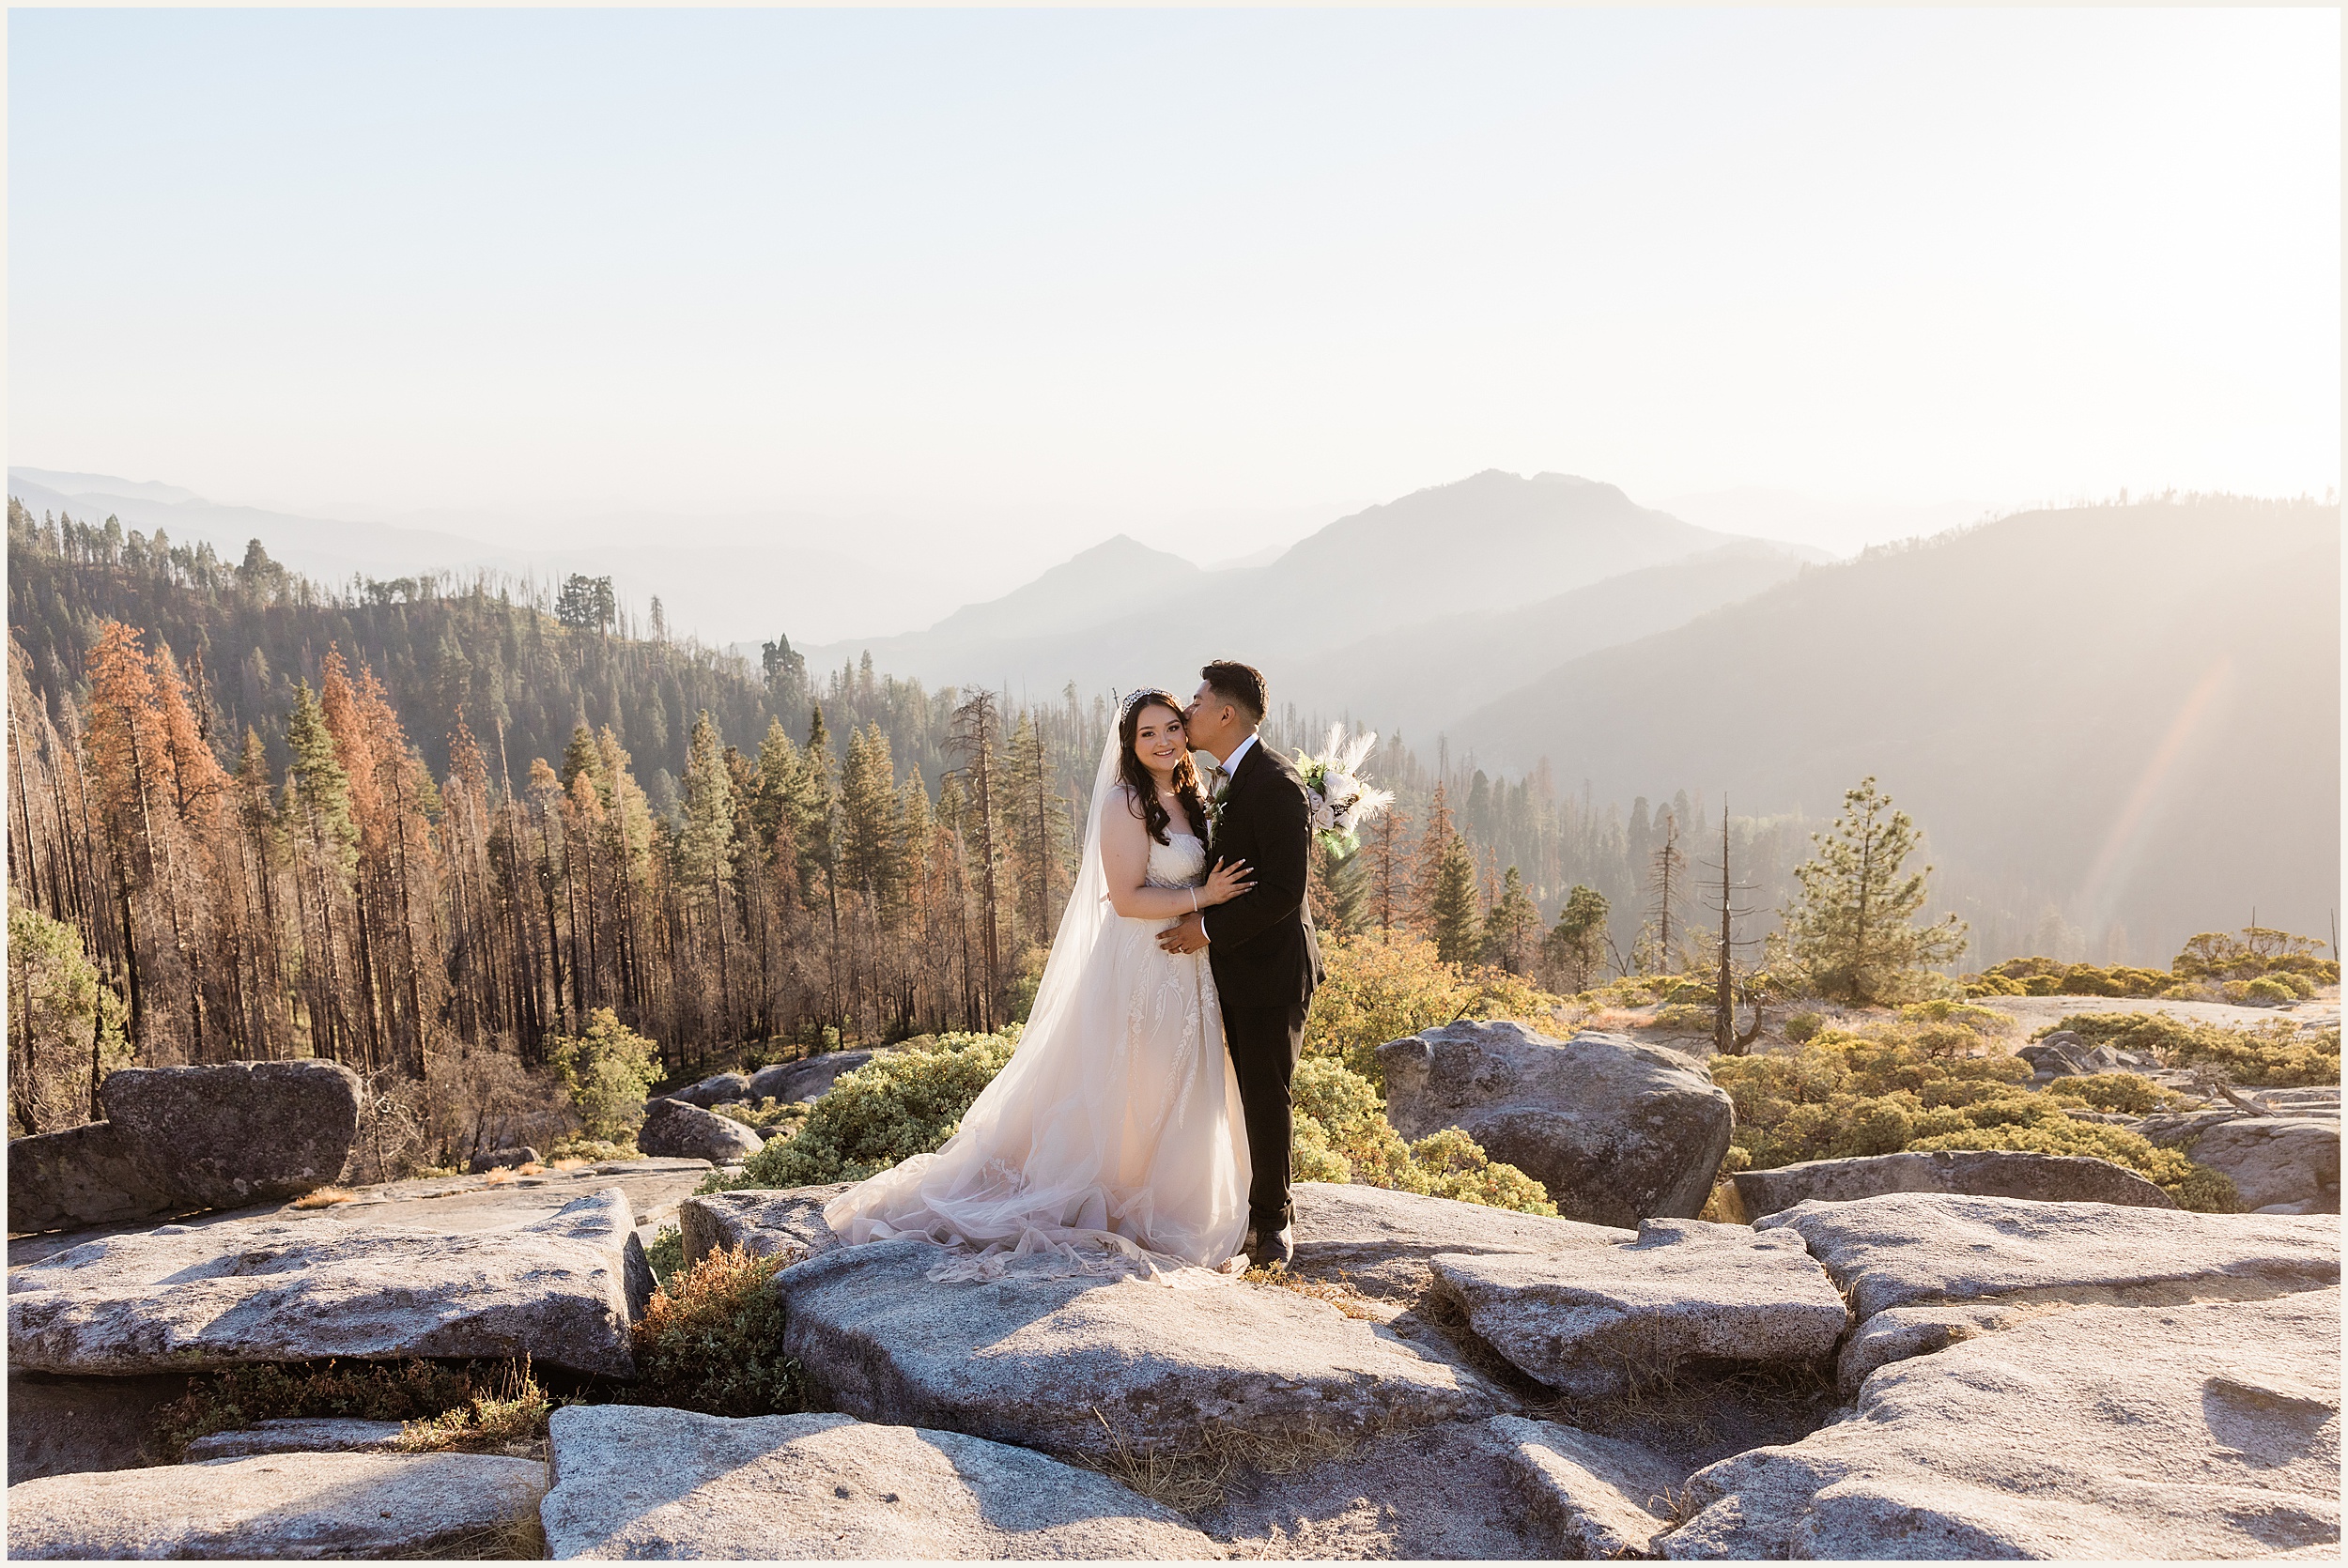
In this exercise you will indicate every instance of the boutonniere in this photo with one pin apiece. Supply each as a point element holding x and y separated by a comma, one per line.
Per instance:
<point>1218,790</point>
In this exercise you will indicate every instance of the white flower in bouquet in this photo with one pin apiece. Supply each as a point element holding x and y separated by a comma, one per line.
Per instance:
<point>1341,800</point>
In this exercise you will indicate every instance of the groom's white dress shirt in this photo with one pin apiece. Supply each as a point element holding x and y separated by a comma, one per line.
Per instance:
<point>1231,763</point>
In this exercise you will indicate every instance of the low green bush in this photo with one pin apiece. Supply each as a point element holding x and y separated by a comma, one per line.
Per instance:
<point>1343,1134</point>
<point>901,1103</point>
<point>1377,989</point>
<point>1801,1028</point>
<point>712,1341</point>
<point>2281,1055</point>
<point>1929,1082</point>
<point>666,1254</point>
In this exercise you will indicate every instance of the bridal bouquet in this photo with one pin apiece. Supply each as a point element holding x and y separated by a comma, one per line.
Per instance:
<point>1340,801</point>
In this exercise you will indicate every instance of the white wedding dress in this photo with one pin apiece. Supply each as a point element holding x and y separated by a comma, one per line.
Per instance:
<point>1113,1137</point>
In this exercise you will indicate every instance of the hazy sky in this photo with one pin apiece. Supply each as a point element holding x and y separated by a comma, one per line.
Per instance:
<point>1059,273</point>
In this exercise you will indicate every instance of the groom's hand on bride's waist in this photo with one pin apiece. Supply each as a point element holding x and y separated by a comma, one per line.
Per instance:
<point>1186,935</point>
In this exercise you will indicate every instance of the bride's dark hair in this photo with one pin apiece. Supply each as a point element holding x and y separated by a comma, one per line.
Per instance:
<point>1138,777</point>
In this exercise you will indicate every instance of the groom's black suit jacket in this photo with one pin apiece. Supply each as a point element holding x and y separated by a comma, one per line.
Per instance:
<point>1260,945</point>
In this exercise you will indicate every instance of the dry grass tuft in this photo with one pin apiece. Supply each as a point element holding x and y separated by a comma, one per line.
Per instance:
<point>520,1539</point>
<point>497,1175</point>
<point>513,1410</point>
<point>1675,1506</point>
<point>1339,1293</point>
<point>568,1162</point>
<point>1194,1479</point>
<point>530,1167</point>
<point>325,1197</point>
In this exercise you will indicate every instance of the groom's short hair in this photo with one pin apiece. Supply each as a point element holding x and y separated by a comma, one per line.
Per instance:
<point>1240,684</point>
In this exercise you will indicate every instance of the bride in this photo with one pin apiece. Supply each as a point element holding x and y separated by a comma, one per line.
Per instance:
<point>1115,1132</point>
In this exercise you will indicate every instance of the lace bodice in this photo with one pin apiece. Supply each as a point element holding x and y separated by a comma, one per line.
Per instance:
<point>1182,863</point>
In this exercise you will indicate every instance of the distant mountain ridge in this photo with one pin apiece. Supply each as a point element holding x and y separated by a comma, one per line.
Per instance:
<point>2135,709</point>
<point>1122,614</point>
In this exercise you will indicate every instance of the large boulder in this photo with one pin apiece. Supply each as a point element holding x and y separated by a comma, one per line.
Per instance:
<point>633,1482</point>
<point>1617,1131</point>
<point>1593,1321</point>
<point>1597,1498</point>
<point>2279,1164</point>
<point>764,1221</point>
<point>562,1290</point>
<point>304,1506</point>
<point>2202,1430</point>
<point>717,1089</point>
<point>807,1080</point>
<point>1381,1241</point>
<point>1912,1248</point>
<point>82,1175</point>
<point>1990,1172</point>
<point>504,1158</point>
<point>1076,1364</point>
<point>233,1133</point>
<point>676,1130</point>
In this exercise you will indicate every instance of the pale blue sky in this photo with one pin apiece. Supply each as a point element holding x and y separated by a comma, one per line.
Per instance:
<point>1061,272</point>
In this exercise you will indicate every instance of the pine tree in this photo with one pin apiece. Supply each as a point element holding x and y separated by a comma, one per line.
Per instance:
<point>977,727</point>
<point>1853,931</point>
<point>1512,927</point>
<point>1576,945</point>
<point>1667,878</point>
<point>1434,843</point>
<point>1452,911</point>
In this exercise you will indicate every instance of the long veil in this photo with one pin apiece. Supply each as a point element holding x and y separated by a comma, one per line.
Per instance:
<point>1116,1117</point>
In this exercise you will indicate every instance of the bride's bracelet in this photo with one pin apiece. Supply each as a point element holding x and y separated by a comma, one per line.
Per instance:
<point>1194,901</point>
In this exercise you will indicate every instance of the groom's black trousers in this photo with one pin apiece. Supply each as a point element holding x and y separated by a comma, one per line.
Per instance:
<point>1265,1043</point>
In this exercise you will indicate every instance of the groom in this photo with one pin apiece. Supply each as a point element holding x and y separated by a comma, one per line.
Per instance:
<point>1260,945</point>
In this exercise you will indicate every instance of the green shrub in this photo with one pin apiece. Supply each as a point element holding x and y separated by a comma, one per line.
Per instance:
<point>2126,1093</point>
<point>1801,1028</point>
<point>2264,992</point>
<point>712,1341</point>
<point>1343,1134</point>
<point>898,1104</point>
<point>2281,1054</point>
<point>1685,1016</point>
<point>769,1113</point>
<point>593,1149</point>
<point>666,1254</point>
<point>1377,991</point>
<point>607,1070</point>
<point>1924,1084</point>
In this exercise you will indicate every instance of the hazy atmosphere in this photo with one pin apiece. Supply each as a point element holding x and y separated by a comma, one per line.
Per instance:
<point>922,303</point>
<point>1379,784</point>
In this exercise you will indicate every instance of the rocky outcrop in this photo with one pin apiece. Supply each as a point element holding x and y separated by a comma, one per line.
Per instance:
<point>83,1176</point>
<point>676,1130</point>
<point>1080,1364</point>
<point>807,1080</point>
<point>1617,1131</point>
<point>1988,1173</point>
<point>1591,1322</point>
<point>2207,1430</point>
<point>1916,1248</point>
<point>506,1159</point>
<point>296,1435</point>
<point>717,1089</point>
<point>764,1222</point>
<point>303,1506</point>
<point>176,1139</point>
<point>1594,1496</point>
<point>562,1290</point>
<point>635,1482</point>
<point>1381,1241</point>
<point>236,1132</point>
<point>2279,1164</point>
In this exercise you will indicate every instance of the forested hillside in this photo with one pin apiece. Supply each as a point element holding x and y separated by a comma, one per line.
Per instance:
<point>2127,713</point>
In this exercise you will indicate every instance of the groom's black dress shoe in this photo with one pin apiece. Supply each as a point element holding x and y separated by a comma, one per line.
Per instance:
<point>1270,1249</point>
